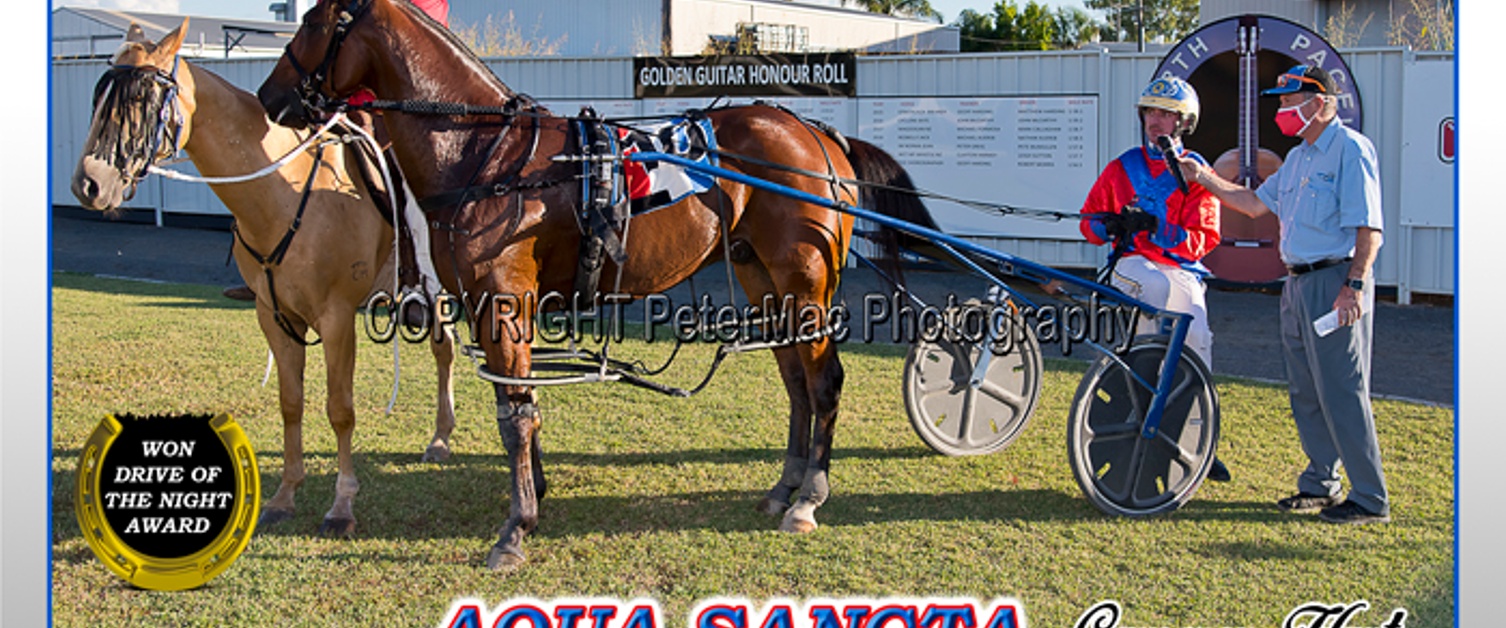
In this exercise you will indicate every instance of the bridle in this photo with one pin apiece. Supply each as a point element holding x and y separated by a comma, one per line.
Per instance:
<point>123,84</point>
<point>310,83</point>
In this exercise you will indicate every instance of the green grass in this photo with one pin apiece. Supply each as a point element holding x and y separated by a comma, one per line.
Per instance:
<point>652,496</point>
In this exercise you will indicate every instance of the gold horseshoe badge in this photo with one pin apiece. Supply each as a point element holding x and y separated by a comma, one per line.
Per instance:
<point>167,502</point>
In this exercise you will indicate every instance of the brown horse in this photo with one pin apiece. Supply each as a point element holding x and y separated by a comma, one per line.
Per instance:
<point>503,219</point>
<point>149,105</point>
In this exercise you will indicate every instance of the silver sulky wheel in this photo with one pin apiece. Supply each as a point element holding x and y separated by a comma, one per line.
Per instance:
<point>969,398</point>
<point>1122,472</point>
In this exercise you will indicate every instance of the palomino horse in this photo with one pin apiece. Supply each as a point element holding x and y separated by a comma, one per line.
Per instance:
<point>503,219</point>
<point>149,105</point>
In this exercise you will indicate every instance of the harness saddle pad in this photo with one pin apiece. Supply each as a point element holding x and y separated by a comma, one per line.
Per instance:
<point>655,185</point>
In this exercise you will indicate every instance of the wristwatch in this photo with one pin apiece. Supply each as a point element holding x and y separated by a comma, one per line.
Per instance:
<point>1358,285</point>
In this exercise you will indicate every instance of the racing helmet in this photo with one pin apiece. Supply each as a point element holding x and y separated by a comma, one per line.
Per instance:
<point>1170,93</point>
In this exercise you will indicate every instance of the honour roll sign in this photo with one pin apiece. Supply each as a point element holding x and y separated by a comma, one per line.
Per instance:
<point>833,74</point>
<point>1031,152</point>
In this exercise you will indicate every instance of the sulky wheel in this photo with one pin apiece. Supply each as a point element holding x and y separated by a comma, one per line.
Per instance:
<point>1122,472</point>
<point>957,414</point>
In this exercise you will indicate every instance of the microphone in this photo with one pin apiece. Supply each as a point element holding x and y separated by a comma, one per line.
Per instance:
<point>1168,152</point>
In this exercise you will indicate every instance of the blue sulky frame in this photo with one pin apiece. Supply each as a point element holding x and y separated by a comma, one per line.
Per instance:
<point>1008,264</point>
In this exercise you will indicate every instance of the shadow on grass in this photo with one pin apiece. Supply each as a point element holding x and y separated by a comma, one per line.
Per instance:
<point>184,295</point>
<point>403,499</point>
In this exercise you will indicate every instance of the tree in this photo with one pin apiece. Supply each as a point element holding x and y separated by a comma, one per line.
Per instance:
<point>1165,20</point>
<point>1036,27</point>
<point>1032,27</point>
<point>907,8</point>
<point>974,27</point>
<point>1074,27</point>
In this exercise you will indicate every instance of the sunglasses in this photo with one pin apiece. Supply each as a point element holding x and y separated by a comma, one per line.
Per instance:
<point>1282,80</point>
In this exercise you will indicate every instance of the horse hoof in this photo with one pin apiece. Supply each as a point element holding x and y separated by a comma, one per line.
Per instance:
<point>801,519</point>
<point>504,561</point>
<point>271,517</point>
<point>338,527</point>
<point>797,526</point>
<point>772,507</point>
<point>436,453</point>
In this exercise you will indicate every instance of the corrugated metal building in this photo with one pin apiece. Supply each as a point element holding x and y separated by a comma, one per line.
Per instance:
<point>583,28</point>
<point>98,33</point>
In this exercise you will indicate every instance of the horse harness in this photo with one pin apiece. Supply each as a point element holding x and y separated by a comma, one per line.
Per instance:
<point>271,261</point>
<point>119,82</point>
<point>309,81</point>
<point>604,210</point>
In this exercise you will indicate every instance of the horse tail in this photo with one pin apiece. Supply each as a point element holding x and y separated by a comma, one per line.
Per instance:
<point>888,190</point>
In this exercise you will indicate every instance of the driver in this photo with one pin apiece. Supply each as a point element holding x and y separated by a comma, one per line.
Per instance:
<point>1161,233</point>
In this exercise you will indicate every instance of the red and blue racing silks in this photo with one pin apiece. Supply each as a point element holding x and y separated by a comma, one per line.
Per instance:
<point>1188,225</point>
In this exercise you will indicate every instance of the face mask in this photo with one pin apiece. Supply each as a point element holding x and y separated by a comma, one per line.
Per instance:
<point>1291,121</point>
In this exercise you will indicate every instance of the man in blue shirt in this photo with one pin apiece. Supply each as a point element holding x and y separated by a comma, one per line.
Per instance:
<point>1327,196</point>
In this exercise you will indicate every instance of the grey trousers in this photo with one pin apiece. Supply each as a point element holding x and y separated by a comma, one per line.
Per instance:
<point>1328,380</point>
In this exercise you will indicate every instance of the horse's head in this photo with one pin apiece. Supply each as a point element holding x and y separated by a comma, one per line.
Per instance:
<point>137,119</point>
<point>324,62</point>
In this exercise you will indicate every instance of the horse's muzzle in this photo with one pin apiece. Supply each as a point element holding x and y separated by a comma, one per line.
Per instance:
<point>98,185</point>
<point>283,106</point>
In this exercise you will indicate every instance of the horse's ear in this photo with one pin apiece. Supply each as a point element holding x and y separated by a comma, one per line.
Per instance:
<point>134,34</point>
<point>168,47</point>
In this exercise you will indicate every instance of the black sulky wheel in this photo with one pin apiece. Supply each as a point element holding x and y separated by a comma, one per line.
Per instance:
<point>1122,472</point>
<point>958,416</point>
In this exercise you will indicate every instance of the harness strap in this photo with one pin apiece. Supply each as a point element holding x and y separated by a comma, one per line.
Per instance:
<point>169,120</point>
<point>472,192</point>
<point>272,260</point>
<point>604,209</point>
<point>438,108</point>
<point>365,158</point>
<point>309,82</point>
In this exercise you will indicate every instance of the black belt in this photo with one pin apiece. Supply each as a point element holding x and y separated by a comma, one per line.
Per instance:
<point>1303,269</point>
